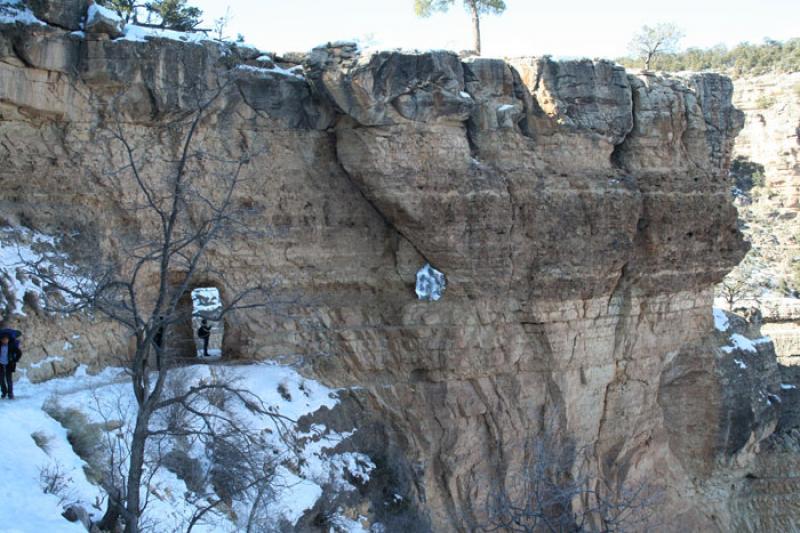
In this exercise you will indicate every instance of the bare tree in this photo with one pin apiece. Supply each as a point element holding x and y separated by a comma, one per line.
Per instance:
<point>180,219</point>
<point>651,41</point>
<point>220,26</point>
<point>476,8</point>
<point>546,496</point>
<point>240,462</point>
<point>739,285</point>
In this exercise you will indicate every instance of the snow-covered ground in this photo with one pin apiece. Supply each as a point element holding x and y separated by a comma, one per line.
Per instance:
<point>298,485</point>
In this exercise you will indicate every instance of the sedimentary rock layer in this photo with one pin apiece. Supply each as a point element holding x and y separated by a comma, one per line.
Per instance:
<point>580,213</point>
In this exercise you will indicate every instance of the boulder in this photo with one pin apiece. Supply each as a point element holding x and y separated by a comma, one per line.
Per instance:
<point>76,513</point>
<point>101,20</point>
<point>385,88</point>
<point>65,14</point>
<point>591,95</point>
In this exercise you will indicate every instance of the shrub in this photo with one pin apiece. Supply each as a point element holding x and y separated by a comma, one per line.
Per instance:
<point>42,440</point>
<point>85,437</point>
<point>765,102</point>
<point>744,59</point>
<point>747,174</point>
<point>54,480</point>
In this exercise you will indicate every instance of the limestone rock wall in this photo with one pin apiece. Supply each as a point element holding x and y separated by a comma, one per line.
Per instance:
<point>770,145</point>
<point>771,135</point>
<point>580,213</point>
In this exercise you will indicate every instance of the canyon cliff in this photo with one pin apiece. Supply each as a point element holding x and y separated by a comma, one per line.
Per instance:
<point>769,148</point>
<point>580,213</point>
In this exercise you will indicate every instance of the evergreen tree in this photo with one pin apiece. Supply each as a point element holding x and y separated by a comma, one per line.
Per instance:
<point>425,8</point>
<point>175,14</point>
<point>127,9</point>
<point>169,14</point>
<point>744,59</point>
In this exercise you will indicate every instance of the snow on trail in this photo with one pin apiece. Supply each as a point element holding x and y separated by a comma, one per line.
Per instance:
<point>26,508</point>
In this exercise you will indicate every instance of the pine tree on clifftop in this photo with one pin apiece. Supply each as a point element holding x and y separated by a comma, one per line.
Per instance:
<point>425,8</point>
<point>175,14</point>
<point>169,14</point>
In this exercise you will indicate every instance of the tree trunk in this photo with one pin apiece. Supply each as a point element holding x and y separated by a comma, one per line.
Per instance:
<point>136,469</point>
<point>110,519</point>
<point>476,27</point>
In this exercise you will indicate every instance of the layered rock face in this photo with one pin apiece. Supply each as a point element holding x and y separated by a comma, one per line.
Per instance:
<point>770,145</point>
<point>771,135</point>
<point>580,213</point>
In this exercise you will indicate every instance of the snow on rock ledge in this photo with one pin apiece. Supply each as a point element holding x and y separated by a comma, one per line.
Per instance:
<point>13,12</point>
<point>721,322</point>
<point>21,248</point>
<point>100,19</point>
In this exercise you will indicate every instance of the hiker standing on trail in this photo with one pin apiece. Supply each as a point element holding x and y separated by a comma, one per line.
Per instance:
<point>9,355</point>
<point>204,332</point>
<point>158,338</point>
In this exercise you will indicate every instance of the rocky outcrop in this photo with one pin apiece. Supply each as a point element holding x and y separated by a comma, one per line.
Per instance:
<point>65,14</point>
<point>102,21</point>
<point>766,171</point>
<point>579,213</point>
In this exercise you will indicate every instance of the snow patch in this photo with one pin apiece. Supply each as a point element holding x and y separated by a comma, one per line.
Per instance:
<point>96,10</point>
<point>341,523</point>
<point>788,386</point>
<point>14,12</point>
<point>295,72</point>
<point>721,322</point>
<point>206,300</point>
<point>20,248</point>
<point>298,496</point>
<point>740,364</point>
<point>740,342</point>
<point>132,32</point>
<point>47,360</point>
<point>430,283</point>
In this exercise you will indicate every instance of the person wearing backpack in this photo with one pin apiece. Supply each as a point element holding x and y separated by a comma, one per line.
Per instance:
<point>204,332</point>
<point>10,354</point>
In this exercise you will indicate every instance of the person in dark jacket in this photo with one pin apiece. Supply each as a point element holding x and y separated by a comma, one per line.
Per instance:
<point>158,338</point>
<point>204,332</point>
<point>10,354</point>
